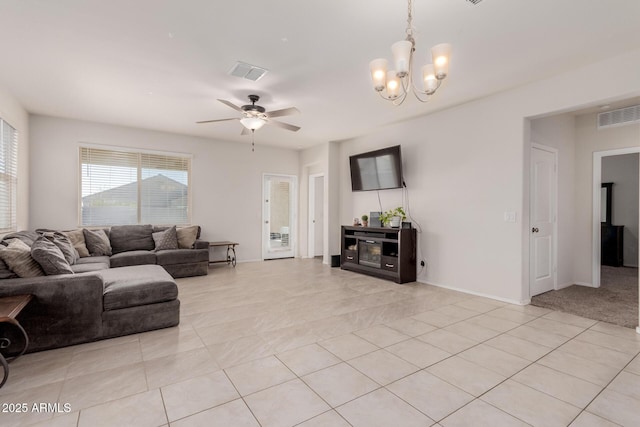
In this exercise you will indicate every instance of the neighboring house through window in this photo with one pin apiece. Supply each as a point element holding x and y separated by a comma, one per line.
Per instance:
<point>128,187</point>
<point>8,176</point>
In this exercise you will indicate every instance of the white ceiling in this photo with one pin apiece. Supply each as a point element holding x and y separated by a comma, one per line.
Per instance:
<point>161,64</point>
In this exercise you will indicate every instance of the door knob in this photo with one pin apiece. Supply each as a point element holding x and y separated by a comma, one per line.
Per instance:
<point>266,222</point>
<point>535,230</point>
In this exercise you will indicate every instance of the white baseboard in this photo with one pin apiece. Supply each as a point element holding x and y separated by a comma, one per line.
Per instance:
<point>589,285</point>
<point>565,285</point>
<point>478,294</point>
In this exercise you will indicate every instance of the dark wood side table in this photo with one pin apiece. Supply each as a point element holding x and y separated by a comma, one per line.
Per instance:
<point>231,251</point>
<point>10,307</point>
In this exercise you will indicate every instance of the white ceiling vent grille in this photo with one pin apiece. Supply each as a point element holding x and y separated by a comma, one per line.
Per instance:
<point>621,117</point>
<point>247,71</point>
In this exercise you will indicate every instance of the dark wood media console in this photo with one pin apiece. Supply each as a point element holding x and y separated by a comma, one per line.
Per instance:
<point>388,253</point>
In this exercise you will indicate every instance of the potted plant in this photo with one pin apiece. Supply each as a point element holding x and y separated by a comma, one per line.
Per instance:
<point>365,220</point>
<point>393,217</point>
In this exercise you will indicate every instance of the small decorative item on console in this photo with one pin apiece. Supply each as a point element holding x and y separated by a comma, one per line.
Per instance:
<point>365,220</point>
<point>393,217</point>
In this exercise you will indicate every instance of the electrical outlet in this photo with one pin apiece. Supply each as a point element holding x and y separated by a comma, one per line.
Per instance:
<point>422,263</point>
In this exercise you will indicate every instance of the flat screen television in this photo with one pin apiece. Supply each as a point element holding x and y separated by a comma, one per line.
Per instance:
<point>376,170</point>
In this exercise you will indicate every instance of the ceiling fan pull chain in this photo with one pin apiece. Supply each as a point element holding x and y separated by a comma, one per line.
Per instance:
<point>253,144</point>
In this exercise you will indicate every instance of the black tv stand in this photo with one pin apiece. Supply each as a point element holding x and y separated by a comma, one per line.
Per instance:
<point>387,253</point>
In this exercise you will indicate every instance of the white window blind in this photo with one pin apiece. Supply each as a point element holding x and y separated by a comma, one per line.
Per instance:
<point>122,187</point>
<point>8,176</point>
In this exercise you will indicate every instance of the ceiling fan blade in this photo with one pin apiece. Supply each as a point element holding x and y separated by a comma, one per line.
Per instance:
<point>229,104</point>
<point>283,112</point>
<point>286,126</point>
<point>219,120</point>
<point>245,131</point>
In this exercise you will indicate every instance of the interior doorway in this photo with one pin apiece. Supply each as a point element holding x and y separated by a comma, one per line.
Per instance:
<point>613,296</point>
<point>278,216</point>
<point>615,207</point>
<point>316,216</point>
<point>583,139</point>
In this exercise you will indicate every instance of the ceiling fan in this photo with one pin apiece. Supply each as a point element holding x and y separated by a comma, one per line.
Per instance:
<point>255,116</point>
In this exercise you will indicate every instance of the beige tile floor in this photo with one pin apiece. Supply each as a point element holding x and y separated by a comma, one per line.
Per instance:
<point>293,342</point>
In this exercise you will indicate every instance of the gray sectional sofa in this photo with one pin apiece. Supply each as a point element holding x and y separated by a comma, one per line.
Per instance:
<point>129,291</point>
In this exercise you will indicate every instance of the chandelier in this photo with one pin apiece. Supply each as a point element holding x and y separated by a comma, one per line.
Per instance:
<point>394,85</point>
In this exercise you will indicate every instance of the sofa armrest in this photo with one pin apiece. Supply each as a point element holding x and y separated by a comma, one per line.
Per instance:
<point>65,309</point>
<point>201,244</point>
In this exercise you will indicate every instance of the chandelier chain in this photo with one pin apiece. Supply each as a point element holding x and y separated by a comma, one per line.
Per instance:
<point>409,30</point>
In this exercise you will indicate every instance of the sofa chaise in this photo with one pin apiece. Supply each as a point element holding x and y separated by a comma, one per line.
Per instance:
<point>129,290</point>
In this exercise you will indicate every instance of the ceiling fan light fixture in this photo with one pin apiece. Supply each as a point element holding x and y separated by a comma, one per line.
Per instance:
<point>252,123</point>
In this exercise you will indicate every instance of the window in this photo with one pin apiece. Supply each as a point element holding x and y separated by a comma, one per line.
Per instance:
<point>8,176</point>
<point>125,187</point>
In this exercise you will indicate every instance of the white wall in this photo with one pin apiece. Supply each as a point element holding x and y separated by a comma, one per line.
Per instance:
<point>589,140</point>
<point>558,131</point>
<point>13,113</point>
<point>467,165</point>
<point>622,170</point>
<point>462,173</point>
<point>226,176</point>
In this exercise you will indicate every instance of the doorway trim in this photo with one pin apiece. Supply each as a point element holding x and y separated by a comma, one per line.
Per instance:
<point>595,215</point>
<point>554,151</point>
<point>311,235</point>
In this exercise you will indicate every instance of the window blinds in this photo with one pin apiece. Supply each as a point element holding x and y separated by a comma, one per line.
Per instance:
<point>123,187</point>
<point>8,176</point>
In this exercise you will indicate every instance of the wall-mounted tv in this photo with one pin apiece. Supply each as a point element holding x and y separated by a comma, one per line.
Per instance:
<point>376,170</point>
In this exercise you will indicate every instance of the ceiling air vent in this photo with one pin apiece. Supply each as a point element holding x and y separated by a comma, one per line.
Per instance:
<point>247,71</point>
<point>474,1</point>
<point>620,117</point>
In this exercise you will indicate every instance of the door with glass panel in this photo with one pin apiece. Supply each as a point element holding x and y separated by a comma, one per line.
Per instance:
<point>278,216</point>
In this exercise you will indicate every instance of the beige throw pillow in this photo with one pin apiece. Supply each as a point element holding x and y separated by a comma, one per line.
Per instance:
<point>17,256</point>
<point>77,240</point>
<point>187,236</point>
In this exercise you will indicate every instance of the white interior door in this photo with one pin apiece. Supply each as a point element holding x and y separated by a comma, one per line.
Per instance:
<point>542,251</point>
<point>319,217</point>
<point>316,215</point>
<point>278,214</point>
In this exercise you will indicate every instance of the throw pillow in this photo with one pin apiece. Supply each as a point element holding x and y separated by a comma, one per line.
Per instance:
<point>187,236</point>
<point>50,257</point>
<point>5,271</point>
<point>64,244</point>
<point>125,238</point>
<point>77,240</point>
<point>97,242</point>
<point>17,256</point>
<point>167,239</point>
<point>28,237</point>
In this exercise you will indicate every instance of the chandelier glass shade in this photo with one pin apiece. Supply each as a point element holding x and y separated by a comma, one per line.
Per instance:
<point>394,85</point>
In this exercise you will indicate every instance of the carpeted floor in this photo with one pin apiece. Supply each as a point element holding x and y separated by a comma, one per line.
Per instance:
<point>615,301</point>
